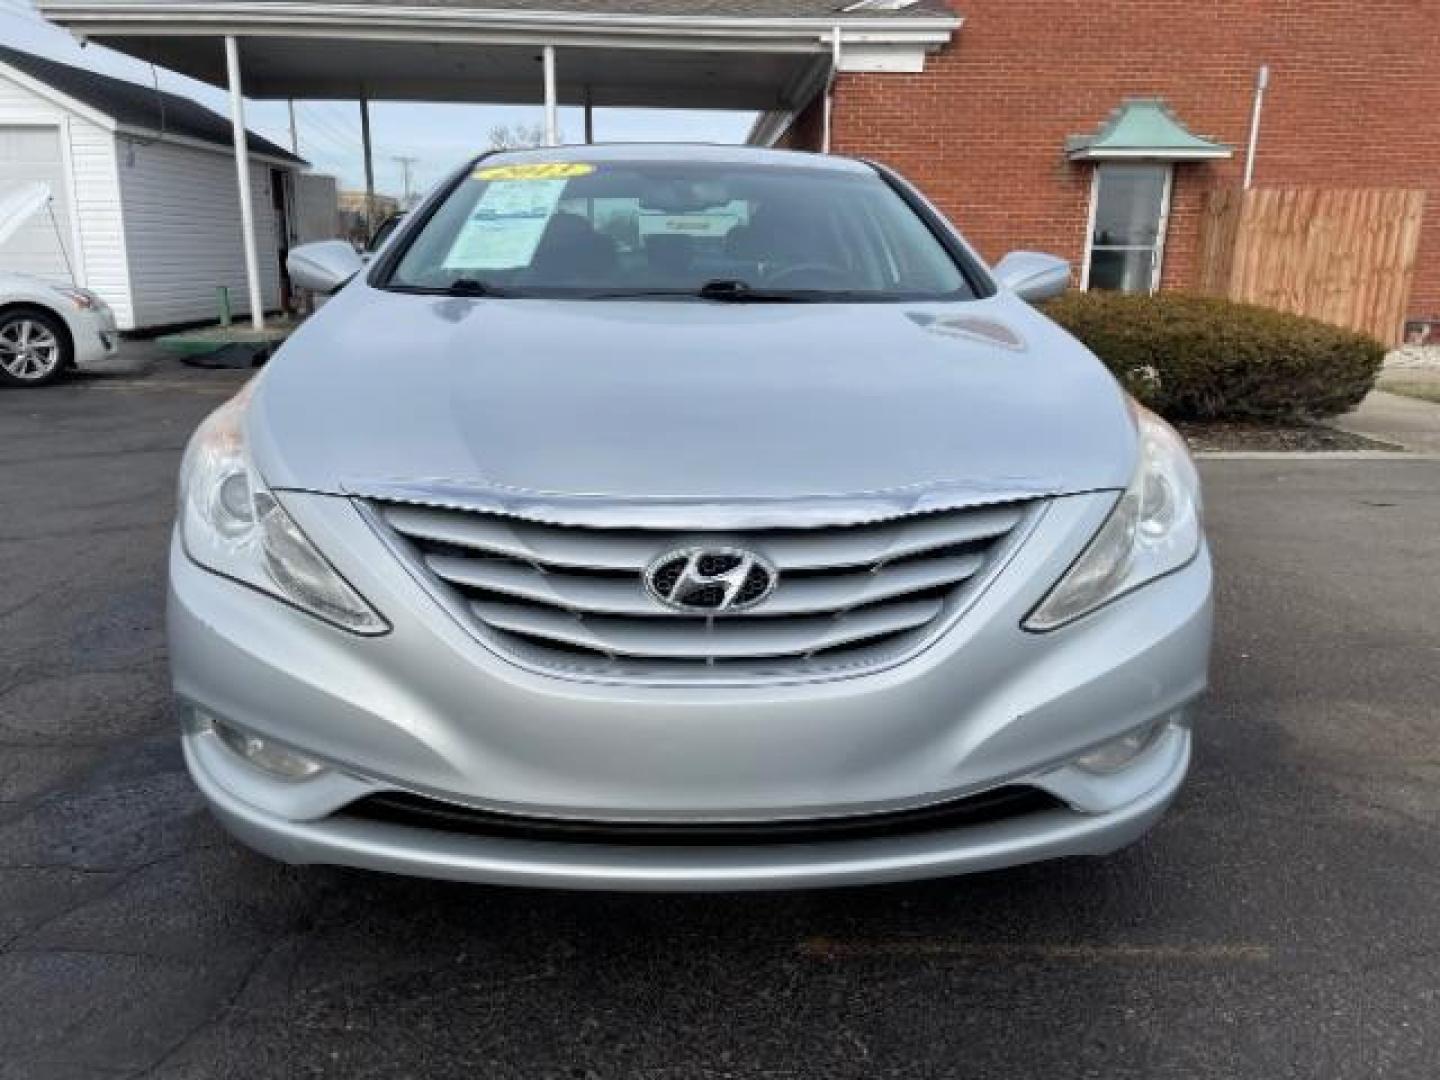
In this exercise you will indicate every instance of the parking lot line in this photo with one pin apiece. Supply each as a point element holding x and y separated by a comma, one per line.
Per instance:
<point>823,948</point>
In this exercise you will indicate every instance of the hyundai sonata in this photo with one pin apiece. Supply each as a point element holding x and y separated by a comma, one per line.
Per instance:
<point>685,518</point>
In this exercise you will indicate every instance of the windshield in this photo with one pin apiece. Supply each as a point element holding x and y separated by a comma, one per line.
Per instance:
<point>616,228</point>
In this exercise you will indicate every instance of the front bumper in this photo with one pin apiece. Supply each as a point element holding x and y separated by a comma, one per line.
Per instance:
<point>428,710</point>
<point>398,849</point>
<point>96,338</point>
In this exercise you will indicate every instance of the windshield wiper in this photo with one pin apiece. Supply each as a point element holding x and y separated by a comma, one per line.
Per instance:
<point>727,290</point>
<point>734,291</point>
<point>468,286</point>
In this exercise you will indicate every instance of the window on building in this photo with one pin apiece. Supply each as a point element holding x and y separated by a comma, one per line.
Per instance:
<point>1129,205</point>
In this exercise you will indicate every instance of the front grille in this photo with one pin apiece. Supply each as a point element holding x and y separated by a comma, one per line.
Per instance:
<point>418,812</point>
<point>573,599</point>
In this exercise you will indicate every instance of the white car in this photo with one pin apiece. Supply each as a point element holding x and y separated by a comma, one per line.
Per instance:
<point>45,329</point>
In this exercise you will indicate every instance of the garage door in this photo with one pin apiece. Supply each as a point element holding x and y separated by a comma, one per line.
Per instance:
<point>28,154</point>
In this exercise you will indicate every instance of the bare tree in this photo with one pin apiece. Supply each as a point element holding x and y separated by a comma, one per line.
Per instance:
<point>518,137</point>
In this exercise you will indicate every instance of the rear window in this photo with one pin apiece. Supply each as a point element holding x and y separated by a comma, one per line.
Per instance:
<point>656,228</point>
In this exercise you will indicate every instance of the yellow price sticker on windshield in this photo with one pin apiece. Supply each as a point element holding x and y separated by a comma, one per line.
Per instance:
<point>549,170</point>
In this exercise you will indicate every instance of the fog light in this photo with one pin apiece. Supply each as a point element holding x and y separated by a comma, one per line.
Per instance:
<point>1114,755</point>
<point>270,757</point>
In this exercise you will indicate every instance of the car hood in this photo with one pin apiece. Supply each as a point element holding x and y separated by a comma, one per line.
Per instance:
<point>531,404</point>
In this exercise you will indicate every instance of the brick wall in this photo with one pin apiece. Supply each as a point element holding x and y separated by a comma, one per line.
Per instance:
<point>1354,100</point>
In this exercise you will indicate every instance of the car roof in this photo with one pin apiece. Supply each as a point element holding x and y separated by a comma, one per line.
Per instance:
<point>709,153</point>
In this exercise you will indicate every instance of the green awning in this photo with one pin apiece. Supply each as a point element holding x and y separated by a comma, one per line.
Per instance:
<point>1143,128</point>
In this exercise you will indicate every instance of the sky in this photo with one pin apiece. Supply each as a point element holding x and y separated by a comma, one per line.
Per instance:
<point>440,136</point>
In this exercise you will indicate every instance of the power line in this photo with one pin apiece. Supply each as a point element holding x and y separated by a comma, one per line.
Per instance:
<point>325,122</point>
<point>341,119</point>
<point>317,144</point>
<point>319,140</point>
<point>318,122</point>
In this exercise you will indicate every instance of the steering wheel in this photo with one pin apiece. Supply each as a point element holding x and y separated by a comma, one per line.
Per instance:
<point>809,270</point>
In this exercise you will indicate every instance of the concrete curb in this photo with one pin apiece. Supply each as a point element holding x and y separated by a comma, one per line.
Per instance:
<point>1393,418</point>
<point>1402,456</point>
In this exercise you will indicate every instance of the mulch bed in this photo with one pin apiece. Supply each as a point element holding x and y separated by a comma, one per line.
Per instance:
<point>1304,438</point>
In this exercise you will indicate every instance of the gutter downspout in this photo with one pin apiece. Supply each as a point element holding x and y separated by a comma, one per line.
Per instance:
<point>829,106</point>
<point>1262,81</point>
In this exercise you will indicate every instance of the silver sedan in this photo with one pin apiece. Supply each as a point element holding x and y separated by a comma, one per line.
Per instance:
<point>685,518</point>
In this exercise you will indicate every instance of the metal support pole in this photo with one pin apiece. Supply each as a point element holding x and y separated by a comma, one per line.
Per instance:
<point>242,176</point>
<point>827,107</point>
<point>552,118</point>
<point>369,168</point>
<point>589,118</point>
<point>1262,81</point>
<point>294,130</point>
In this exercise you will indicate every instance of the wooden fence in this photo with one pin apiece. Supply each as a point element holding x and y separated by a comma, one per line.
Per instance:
<point>1345,256</point>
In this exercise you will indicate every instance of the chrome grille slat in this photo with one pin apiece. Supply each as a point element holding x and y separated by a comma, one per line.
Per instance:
<point>619,596</point>
<point>699,639</point>
<point>572,600</point>
<point>867,545</point>
<point>594,549</point>
<point>604,549</point>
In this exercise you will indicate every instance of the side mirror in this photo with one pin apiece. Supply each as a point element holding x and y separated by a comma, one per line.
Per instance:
<point>324,266</point>
<point>1033,276</point>
<point>383,232</point>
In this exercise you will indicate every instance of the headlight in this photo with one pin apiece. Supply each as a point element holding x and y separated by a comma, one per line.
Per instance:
<point>83,299</point>
<point>1153,530</point>
<point>233,525</point>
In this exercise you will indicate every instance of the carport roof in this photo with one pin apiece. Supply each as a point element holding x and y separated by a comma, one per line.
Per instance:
<point>733,54</point>
<point>799,9</point>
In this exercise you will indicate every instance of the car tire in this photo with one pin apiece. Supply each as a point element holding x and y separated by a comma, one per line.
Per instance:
<point>35,347</point>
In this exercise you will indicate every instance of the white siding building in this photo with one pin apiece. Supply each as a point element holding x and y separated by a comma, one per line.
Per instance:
<point>145,203</point>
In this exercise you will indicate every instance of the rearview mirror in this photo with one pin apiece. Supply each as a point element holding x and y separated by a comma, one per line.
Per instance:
<point>324,266</point>
<point>1032,275</point>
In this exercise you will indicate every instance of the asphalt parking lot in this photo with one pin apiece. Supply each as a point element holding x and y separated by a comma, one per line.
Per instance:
<point>1281,922</point>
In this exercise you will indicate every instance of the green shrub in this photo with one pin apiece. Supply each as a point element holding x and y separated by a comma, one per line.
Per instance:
<point>1201,358</point>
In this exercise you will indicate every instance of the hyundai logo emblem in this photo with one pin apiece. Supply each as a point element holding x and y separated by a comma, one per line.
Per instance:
<point>710,580</point>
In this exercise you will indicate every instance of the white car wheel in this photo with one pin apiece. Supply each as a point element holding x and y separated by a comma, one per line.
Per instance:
<point>33,348</point>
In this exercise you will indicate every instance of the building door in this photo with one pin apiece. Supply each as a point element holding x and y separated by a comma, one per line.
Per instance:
<point>41,247</point>
<point>284,233</point>
<point>1129,211</point>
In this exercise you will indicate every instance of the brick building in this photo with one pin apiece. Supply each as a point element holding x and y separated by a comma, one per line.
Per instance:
<point>1353,100</point>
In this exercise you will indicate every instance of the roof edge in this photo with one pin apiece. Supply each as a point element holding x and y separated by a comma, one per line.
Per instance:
<point>223,16</point>
<point>58,97</point>
<point>148,134</point>
<point>118,123</point>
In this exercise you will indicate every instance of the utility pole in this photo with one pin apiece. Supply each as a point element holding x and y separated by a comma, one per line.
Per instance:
<point>369,155</point>
<point>294,130</point>
<point>405,163</point>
